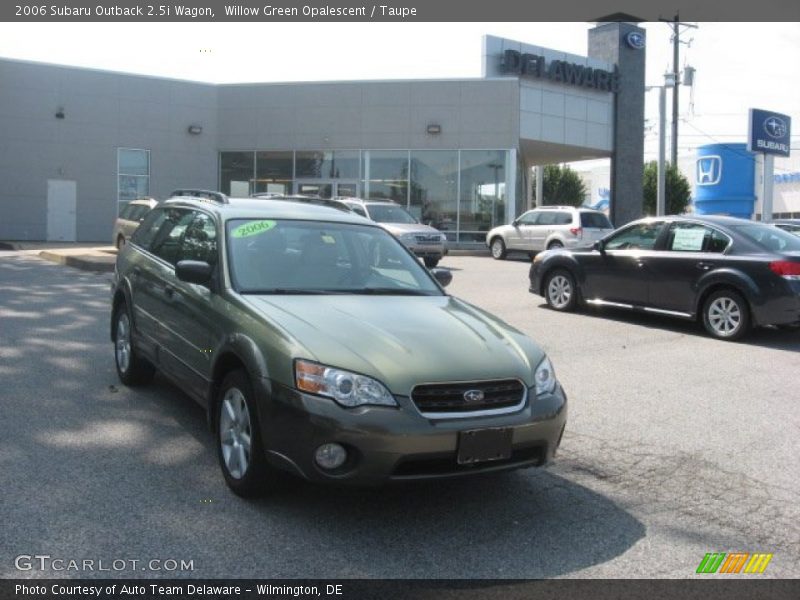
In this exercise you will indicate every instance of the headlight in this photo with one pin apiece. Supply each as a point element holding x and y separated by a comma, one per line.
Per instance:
<point>348,389</point>
<point>408,237</point>
<point>545,377</point>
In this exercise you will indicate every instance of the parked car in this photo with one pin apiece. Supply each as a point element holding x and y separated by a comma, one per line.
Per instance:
<point>790,225</point>
<point>729,273</point>
<point>320,346</point>
<point>423,240</point>
<point>129,218</point>
<point>548,227</point>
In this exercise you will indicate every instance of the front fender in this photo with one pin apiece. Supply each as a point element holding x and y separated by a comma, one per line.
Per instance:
<point>556,259</point>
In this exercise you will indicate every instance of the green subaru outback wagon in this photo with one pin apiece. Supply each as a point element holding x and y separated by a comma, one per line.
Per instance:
<point>320,346</point>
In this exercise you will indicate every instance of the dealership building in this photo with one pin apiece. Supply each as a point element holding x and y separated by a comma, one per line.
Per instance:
<point>77,144</point>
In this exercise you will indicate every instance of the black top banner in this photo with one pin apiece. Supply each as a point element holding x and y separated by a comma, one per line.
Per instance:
<point>277,11</point>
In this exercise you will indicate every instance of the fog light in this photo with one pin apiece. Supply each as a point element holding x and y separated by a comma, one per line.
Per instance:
<point>330,456</point>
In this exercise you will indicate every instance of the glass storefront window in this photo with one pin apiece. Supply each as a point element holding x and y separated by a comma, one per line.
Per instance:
<point>326,164</point>
<point>434,189</point>
<point>482,202</point>
<point>386,175</point>
<point>236,170</point>
<point>274,172</point>
<point>133,175</point>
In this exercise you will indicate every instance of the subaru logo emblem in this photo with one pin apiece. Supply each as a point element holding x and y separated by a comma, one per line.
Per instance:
<point>635,40</point>
<point>709,170</point>
<point>775,127</point>
<point>473,396</point>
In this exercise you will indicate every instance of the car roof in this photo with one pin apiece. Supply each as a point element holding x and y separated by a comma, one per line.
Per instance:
<point>249,208</point>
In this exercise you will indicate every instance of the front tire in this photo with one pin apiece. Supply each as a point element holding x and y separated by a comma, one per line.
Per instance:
<point>431,262</point>
<point>726,315</point>
<point>498,248</point>
<point>120,243</point>
<point>239,446</point>
<point>560,291</point>
<point>555,245</point>
<point>132,369</point>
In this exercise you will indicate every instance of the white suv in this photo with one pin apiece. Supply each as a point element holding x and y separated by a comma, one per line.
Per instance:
<point>548,227</point>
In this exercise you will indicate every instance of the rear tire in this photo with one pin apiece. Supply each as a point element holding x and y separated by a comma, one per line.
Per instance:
<point>498,248</point>
<point>726,315</point>
<point>560,291</point>
<point>240,449</point>
<point>132,369</point>
<point>555,245</point>
<point>431,262</point>
<point>120,243</point>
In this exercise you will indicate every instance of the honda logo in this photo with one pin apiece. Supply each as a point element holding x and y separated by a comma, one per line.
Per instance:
<point>709,170</point>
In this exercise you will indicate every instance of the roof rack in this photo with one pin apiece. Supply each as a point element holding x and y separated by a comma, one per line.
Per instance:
<point>329,202</point>
<point>203,194</point>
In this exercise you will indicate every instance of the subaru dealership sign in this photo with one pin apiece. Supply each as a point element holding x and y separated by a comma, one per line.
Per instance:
<point>768,132</point>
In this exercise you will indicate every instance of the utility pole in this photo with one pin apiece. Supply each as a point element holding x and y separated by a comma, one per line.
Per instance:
<point>675,25</point>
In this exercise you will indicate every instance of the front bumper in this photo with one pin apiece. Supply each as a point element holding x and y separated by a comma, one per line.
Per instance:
<point>397,444</point>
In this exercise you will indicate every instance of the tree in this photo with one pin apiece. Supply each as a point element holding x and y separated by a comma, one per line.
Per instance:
<point>677,188</point>
<point>562,186</point>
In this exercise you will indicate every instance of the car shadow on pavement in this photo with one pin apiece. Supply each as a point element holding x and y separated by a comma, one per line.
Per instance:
<point>767,337</point>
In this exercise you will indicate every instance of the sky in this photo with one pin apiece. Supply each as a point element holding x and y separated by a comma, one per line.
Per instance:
<point>739,65</point>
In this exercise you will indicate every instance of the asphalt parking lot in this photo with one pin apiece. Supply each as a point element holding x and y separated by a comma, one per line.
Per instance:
<point>677,445</point>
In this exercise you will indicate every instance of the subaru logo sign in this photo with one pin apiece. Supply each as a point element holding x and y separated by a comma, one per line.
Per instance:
<point>635,40</point>
<point>709,170</point>
<point>473,396</point>
<point>775,127</point>
<point>769,132</point>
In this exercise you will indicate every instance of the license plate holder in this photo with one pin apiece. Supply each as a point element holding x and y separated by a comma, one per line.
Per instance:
<point>484,445</point>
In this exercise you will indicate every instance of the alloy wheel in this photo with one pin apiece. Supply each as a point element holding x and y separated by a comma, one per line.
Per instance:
<point>235,433</point>
<point>123,342</point>
<point>724,316</point>
<point>559,291</point>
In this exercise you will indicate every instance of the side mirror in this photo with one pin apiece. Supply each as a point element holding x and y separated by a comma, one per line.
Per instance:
<point>515,223</point>
<point>599,246</point>
<point>443,276</point>
<point>194,271</point>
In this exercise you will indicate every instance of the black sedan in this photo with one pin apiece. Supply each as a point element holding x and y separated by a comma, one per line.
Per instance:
<point>730,273</point>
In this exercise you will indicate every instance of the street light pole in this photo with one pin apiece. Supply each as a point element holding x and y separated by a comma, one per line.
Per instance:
<point>676,86</point>
<point>661,188</point>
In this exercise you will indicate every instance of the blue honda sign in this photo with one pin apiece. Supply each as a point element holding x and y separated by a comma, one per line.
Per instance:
<point>769,132</point>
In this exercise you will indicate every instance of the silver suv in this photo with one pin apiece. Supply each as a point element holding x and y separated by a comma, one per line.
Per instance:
<point>423,240</point>
<point>548,227</point>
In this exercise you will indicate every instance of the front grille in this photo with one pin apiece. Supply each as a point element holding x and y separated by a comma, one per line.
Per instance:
<point>450,397</point>
<point>428,239</point>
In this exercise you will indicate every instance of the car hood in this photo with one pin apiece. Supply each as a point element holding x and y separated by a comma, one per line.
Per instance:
<point>402,340</point>
<point>400,228</point>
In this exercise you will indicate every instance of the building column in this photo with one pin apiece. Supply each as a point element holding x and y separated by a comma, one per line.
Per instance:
<point>608,42</point>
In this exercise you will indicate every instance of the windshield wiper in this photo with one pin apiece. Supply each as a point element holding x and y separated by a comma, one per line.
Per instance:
<point>388,291</point>
<point>288,291</point>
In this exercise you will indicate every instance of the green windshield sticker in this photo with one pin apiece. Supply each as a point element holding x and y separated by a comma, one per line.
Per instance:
<point>252,228</point>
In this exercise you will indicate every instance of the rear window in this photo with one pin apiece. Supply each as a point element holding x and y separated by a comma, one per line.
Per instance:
<point>768,237</point>
<point>595,221</point>
<point>554,217</point>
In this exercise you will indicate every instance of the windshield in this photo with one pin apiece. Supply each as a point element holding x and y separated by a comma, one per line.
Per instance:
<point>769,238</point>
<point>275,256</point>
<point>388,213</point>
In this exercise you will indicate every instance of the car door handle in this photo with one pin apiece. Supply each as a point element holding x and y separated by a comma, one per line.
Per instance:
<point>136,271</point>
<point>704,266</point>
<point>169,291</point>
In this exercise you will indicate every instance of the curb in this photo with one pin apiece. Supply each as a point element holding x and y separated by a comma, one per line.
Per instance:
<point>84,263</point>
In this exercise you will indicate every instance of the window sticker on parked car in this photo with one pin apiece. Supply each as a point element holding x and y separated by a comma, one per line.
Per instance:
<point>328,239</point>
<point>252,228</point>
<point>690,240</point>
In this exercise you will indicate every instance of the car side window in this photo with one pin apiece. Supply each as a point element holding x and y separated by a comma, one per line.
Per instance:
<point>695,237</point>
<point>359,210</point>
<point>125,212</point>
<point>200,240</point>
<point>145,233</point>
<point>563,218</point>
<point>547,217</point>
<point>529,218</point>
<point>637,237</point>
<point>166,241</point>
